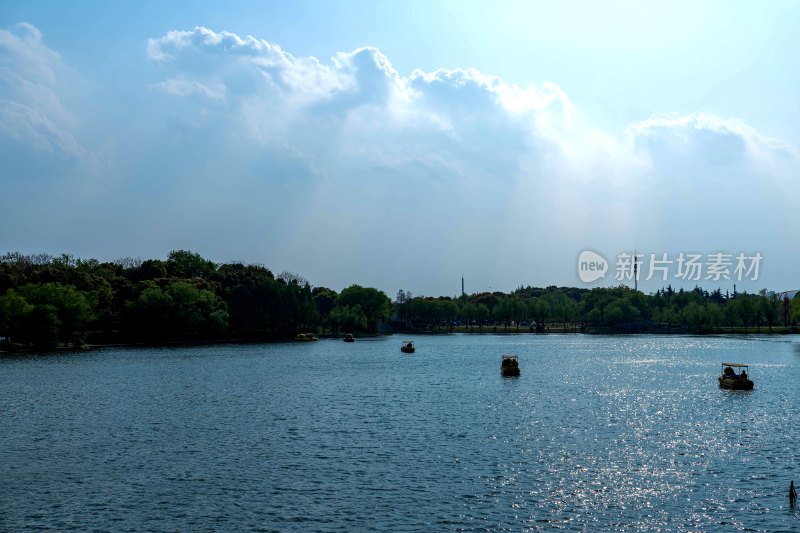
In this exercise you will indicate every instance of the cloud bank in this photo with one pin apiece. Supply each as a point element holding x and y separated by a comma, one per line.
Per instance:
<point>243,150</point>
<point>705,138</point>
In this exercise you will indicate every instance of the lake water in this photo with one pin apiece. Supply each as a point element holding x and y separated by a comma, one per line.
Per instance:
<point>598,433</point>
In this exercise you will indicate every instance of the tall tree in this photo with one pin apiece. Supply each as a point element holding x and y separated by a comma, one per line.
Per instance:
<point>374,303</point>
<point>185,264</point>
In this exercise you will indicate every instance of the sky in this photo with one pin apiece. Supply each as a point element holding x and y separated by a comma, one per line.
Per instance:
<point>401,145</point>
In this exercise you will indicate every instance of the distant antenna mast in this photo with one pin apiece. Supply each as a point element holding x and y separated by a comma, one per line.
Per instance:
<point>635,271</point>
<point>462,285</point>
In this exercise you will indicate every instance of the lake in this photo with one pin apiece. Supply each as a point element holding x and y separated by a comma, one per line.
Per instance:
<point>598,433</point>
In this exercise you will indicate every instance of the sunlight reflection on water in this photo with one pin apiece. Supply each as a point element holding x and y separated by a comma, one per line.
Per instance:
<point>598,433</point>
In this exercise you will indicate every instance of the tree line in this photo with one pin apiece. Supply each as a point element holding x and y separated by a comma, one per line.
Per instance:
<point>608,310</point>
<point>46,301</point>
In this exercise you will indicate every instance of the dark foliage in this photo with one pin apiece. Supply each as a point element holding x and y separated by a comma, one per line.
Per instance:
<point>48,301</point>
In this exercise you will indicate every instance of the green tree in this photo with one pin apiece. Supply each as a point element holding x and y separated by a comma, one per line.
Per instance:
<point>539,310</point>
<point>786,311</point>
<point>695,315</point>
<point>482,315</point>
<point>667,316</point>
<point>796,310</point>
<point>746,309</point>
<point>185,264</point>
<point>41,326</point>
<point>324,299</point>
<point>503,312</point>
<point>14,311</point>
<point>469,313</point>
<point>562,306</point>
<point>449,311</point>
<point>348,318</point>
<point>715,316</point>
<point>148,270</point>
<point>375,305</point>
<point>770,308</point>
<point>730,314</point>
<point>180,310</point>
<point>251,294</point>
<point>490,300</point>
<point>621,311</point>
<point>519,311</point>
<point>72,309</point>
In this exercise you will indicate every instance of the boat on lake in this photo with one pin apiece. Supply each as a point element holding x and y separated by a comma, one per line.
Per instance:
<point>349,338</point>
<point>734,376</point>
<point>509,365</point>
<point>407,347</point>
<point>306,337</point>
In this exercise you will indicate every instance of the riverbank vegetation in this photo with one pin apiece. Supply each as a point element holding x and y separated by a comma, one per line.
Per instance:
<point>48,301</point>
<point>602,310</point>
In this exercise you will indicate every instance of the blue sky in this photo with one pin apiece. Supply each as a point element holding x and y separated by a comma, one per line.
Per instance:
<point>399,144</point>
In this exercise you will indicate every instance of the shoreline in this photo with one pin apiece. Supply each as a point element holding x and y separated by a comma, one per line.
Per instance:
<point>211,342</point>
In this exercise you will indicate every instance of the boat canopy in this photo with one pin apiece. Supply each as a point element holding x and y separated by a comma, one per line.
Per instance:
<point>737,365</point>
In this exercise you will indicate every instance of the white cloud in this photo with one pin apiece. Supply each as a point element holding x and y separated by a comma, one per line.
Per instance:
<point>176,42</point>
<point>31,110</point>
<point>458,122</point>
<point>27,54</point>
<point>178,87</point>
<point>244,65</point>
<point>33,126</point>
<point>357,110</point>
<point>463,137</point>
<point>236,136</point>
<point>708,139</point>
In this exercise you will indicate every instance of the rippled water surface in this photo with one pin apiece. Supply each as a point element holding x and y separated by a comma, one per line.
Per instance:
<point>598,433</point>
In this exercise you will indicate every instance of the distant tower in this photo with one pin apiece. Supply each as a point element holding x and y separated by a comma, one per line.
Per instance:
<point>462,286</point>
<point>635,271</point>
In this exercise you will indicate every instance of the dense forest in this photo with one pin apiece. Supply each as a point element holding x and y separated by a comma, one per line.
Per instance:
<point>48,301</point>
<point>603,310</point>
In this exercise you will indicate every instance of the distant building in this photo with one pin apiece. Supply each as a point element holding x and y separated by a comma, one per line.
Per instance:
<point>788,294</point>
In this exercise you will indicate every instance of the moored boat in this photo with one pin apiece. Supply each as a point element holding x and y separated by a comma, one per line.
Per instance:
<point>306,337</point>
<point>735,377</point>
<point>509,365</point>
<point>407,347</point>
<point>349,338</point>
